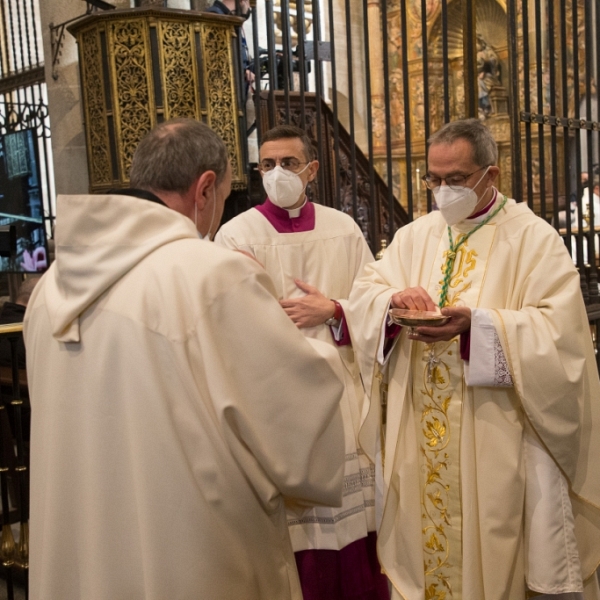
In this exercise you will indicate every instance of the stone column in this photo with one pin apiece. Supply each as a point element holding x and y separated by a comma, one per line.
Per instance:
<point>358,91</point>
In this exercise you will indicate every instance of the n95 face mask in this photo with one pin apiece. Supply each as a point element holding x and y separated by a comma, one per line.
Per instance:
<point>283,187</point>
<point>456,204</point>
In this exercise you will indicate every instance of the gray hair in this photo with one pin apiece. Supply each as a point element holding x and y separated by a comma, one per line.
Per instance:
<point>174,154</point>
<point>485,150</point>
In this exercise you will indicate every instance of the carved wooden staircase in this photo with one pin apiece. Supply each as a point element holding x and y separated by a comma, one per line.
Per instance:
<point>369,205</point>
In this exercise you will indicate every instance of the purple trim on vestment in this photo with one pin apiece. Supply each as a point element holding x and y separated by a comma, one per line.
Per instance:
<point>305,221</point>
<point>485,208</point>
<point>465,344</point>
<point>352,573</point>
<point>392,330</point>
<point>345,333</point>
<point>281,220</point>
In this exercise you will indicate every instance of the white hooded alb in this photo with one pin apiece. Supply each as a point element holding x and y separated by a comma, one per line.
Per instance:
<point>174,405</point>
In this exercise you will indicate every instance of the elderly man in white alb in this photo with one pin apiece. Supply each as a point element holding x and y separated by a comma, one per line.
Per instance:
<point>313,254</point>
<point>174,403</point>
<point>491,440</point>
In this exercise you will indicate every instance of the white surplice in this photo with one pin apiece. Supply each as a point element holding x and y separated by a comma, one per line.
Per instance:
<point>328,257</point>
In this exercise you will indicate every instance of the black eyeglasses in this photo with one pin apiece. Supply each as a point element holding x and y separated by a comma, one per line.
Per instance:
<point>287,164</point>
<point>453,181</point>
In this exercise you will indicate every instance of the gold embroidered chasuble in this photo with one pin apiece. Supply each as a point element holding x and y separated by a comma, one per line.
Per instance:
<point>454,474</point>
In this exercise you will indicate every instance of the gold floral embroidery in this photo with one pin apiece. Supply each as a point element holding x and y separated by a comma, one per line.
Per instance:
<point>466,261</point>
<point>435,427</point>
<point>432,593</point>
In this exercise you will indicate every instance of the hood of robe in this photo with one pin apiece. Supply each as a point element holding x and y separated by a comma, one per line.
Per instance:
<point>98,239</point>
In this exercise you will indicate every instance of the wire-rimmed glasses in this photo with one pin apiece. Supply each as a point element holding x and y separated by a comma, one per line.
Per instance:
<point>452,181</point>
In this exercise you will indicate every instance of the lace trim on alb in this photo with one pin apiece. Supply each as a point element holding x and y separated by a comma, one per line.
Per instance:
<point>502,377</point>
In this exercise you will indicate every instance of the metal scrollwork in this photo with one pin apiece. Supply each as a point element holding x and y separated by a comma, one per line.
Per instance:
<point>141,68</point>
<point>179,80</point>
<point>99,167</point>
<point>129,43</point>
<point>219,85</point>
<point>16,116</point>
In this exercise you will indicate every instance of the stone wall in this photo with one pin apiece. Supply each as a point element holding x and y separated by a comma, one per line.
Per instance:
<point>64,98</point>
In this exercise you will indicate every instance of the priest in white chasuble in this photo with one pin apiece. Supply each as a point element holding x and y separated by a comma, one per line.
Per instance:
<point>313,254</point>
<point>488,433</point>
<point>175,407</point>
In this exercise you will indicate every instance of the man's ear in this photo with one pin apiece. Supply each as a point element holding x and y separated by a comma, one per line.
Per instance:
<point>493,173</point>
<point>312,170</point>
<point>203,187</point>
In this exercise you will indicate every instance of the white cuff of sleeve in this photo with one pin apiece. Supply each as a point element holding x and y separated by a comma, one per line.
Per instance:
<point>336,330</point>
<point>487,364</point>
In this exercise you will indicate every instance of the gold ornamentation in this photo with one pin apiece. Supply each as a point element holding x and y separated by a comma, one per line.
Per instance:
<point>132,70</point>
<point>96,126</point>
<point>433,403</point>
<point>450,255</point>
<point>220,88</point>
<point>144,67</point>
<point>7,546</point>
<point>464,262</point>
<point>435,427</point>
<point>180,83</point>
<point>382,249</point>
<point>22,552</point>
<point>292,19</point>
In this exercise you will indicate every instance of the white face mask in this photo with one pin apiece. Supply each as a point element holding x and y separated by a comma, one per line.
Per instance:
<point>456,204</point>
<point>283,187</point>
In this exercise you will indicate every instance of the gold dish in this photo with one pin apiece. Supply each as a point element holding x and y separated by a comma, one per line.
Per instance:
<point>417,318</point>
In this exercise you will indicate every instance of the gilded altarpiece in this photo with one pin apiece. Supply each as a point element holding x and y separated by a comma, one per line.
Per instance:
<point>141,67</point>
<point>492,80</point>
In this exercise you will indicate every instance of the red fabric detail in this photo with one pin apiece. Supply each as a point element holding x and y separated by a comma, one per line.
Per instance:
<point>465,345</point>
<point>392,330</point>
<point>281,220</point>
<point>339,311</point>
<point>487,207</point>
<point>352,573</point>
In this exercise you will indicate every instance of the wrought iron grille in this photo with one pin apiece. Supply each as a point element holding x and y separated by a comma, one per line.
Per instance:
<point>23,94</point>
<point>386,74</point>
<point>556,124</point>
